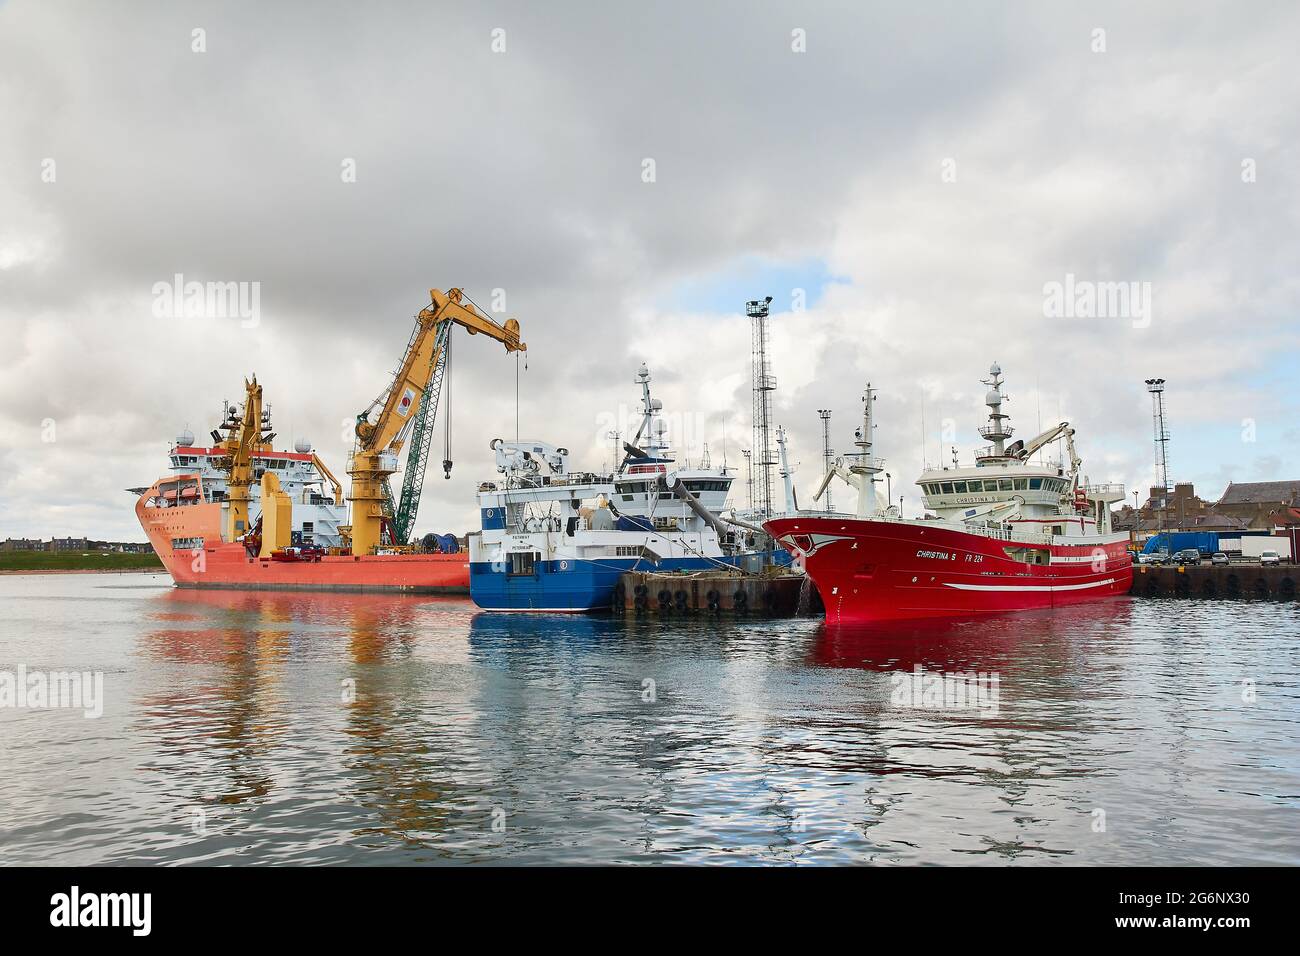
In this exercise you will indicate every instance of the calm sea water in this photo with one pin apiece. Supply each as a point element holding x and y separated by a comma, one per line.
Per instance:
<point>307,728</point>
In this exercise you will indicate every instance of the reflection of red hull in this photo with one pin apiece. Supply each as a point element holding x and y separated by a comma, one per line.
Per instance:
<point>219,565</point>
<point>870,570</point>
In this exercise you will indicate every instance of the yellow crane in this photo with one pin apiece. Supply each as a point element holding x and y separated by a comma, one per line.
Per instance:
<point>244,439</point>
<point>384,427</point>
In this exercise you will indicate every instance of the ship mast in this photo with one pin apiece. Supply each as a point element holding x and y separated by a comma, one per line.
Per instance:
<point>867,466</point>
<point>997,430</point>
<point>862,468</point>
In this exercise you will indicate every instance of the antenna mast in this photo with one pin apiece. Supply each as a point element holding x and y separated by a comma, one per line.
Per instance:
<point>825,415</point>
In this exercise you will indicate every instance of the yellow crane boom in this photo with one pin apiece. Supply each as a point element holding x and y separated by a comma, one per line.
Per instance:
<point>382,429</point>
<point>244,439</point>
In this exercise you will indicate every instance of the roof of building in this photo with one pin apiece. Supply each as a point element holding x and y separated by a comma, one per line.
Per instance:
<point>1286,517</point>
<point>1259,492</point>
<point>1214,520</point>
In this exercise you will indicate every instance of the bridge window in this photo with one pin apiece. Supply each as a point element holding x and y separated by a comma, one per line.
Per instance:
<point>1035,484</point>
<point>698,486</point>
<point>947,487</point>
<point>523,562</point>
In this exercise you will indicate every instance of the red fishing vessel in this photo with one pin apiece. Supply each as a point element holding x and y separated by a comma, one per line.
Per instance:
<point>1004,534</point>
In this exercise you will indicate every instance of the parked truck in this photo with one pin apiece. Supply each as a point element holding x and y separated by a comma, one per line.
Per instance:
<point>1253,547</point>
<point>1206,542</point>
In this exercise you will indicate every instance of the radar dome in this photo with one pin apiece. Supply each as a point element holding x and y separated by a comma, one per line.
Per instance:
<point>995,369</point>
<point>186,437</point>
<point>994,397</point>
<point>302,446</point>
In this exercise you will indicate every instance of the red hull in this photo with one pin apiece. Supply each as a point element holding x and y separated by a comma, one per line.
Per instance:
<point>220,565</point>
<point>869,570</point>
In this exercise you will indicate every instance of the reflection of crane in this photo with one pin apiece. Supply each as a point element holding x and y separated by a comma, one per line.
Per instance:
<point>384,428</point>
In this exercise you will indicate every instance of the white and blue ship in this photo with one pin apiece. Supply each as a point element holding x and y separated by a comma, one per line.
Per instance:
<point>554,539</point>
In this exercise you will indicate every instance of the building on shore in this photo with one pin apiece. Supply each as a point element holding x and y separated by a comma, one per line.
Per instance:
<point>1249,508</point>
<point>66,545</point>
<point>1255,502</point>
<point>22,544</point>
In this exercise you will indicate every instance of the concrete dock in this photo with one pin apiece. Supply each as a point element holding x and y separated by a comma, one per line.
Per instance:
<point>1274,582</point>
<point>717,592</point>
<point>788,595</point>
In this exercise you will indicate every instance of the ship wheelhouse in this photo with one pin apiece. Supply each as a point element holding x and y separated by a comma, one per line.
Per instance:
<point>200,476</point>
<point>1004,488</point>
<point>950,492</point>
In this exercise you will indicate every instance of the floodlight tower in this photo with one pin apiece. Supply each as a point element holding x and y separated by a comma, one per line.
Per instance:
<point>1160,428</point>
<point>764,386</point>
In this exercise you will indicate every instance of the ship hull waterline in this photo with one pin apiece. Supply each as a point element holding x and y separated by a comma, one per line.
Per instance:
<point>229,566</point>
<point>868,570</point>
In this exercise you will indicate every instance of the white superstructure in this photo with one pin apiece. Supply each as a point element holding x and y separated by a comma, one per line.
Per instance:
<point>316,515</point>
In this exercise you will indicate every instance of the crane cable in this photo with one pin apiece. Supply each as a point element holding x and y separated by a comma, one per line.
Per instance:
<point>446,409</point>
<point>483,312</point>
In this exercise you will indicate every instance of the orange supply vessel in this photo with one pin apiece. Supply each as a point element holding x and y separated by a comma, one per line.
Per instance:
<point>183,515</point>
<point>241,514</point>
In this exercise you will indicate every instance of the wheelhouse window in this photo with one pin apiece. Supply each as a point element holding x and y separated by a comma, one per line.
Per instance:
<point>946,487</point>
<point>959,487</point>
<point>523,563</point>
<point>1035,484</point>
<point>696,486</point>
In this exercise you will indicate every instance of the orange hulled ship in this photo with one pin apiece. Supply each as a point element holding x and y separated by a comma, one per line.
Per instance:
<point>241,514</point>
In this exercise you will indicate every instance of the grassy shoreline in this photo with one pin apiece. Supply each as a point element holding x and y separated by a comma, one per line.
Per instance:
<point>18,561</point>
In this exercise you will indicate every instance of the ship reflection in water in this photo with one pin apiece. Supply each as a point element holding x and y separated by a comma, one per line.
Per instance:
<point>311,728</point>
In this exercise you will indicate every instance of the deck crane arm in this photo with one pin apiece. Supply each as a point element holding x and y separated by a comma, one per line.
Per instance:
<point>381,435</point>
<point>836,470</point>
<point>1025,450</point>
<point>1075,460</point>
<point>244,439</point>
<point>329,476</point>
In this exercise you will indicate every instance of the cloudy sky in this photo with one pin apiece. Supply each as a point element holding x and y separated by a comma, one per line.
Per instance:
<point>904,180</point>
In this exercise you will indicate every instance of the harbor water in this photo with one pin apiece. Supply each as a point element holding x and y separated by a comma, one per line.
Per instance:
<point>242,727</point>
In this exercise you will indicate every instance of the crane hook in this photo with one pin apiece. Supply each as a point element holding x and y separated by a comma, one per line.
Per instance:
<point>446,468</point>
